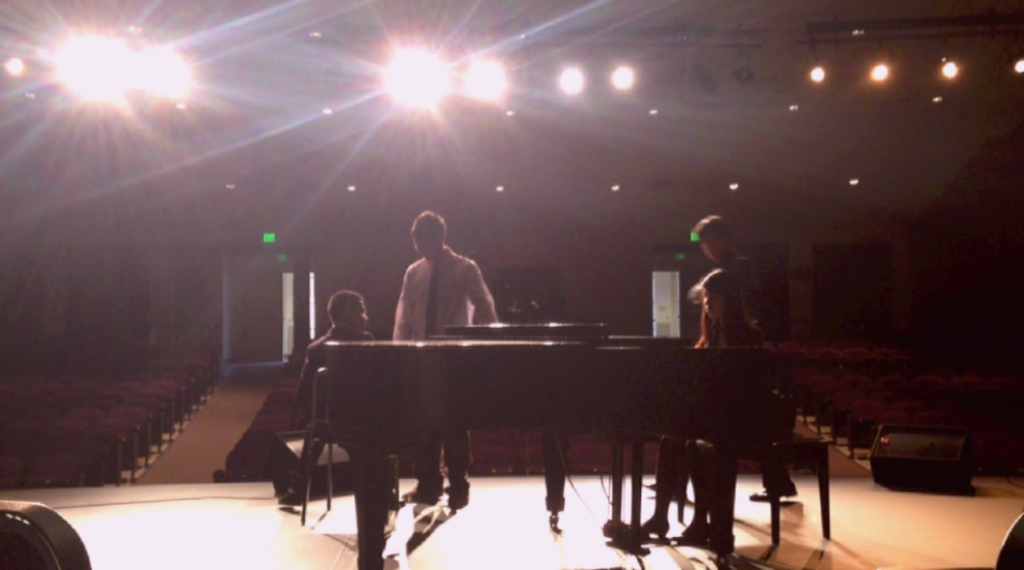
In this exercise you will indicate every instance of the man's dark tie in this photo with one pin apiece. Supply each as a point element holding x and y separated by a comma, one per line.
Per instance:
<point>432,299</point>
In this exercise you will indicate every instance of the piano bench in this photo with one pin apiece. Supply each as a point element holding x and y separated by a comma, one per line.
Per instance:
<point>806,450</point>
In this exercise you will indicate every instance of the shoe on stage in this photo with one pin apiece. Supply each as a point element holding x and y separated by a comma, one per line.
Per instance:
<point>695,535</point>
<point>416,496</point>
<point>656,526</point>
<point>458,496</point>
<point>764,496</point>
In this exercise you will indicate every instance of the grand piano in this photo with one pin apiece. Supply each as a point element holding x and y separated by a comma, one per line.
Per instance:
<point>387,396</point>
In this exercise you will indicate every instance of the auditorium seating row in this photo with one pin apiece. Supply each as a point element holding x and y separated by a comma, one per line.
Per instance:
<point>88,430</point>
<point>247,461</point>
<point>851,406</point>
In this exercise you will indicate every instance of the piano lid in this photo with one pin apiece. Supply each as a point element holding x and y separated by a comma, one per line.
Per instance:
<point>577,331</point>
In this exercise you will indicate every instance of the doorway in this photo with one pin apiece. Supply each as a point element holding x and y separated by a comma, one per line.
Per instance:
<point>288,325</point>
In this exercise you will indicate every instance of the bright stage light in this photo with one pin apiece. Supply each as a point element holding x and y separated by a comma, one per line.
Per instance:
<point>818,74</point>
<point>623,78</point>
<point>950,70</point>
<point>572,81</point>
<point>15,66</point>
<point>1019,66</point>
<point>880,72</point>
<point>486,80</point>
<point>105,69</point>
<point>416,78</point>
<point>162,72</point>
<point>96,68</point>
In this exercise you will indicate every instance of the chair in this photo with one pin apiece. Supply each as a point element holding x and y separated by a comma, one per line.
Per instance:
<point>806,450</point>
<point>320,432</point>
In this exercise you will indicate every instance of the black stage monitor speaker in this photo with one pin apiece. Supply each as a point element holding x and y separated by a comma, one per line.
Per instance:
<point>1011,555</point>
<point>923,458</point>
<point>35,537</point>
<point>285,452</point>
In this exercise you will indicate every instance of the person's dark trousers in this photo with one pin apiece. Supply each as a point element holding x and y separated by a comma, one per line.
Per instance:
<point>776,479</point>
<point>427,468</point>
<point>374,480</point>
<point>299,473</point>
<point>555,448</point>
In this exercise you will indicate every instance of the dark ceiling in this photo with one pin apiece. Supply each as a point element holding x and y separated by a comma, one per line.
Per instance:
<point>265,72</point>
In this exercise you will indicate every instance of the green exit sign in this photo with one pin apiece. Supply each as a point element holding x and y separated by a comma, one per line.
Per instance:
<point>694,236</point>
<point>269,238</point>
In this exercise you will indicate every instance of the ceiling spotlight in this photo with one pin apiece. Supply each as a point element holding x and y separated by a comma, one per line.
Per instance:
<point>161,71</point>
<point>652,112</point>
<point>743,75</point>
<point>857,32</point>
<point>880,72</point>
<point>734,186</point>
<point>229,186</point>
<point>95,68</point>
<point>937,99</point>
<point>818,74</point>
<point>854,181</point>
<point>500,189</point>
<point>327,111</point>
<point>794,107</point>
<point>616,188</point>
<point>1019,66</point>
<point>351,188</point>
<point>950,70</point>
<point>572,81</point>
<point>486,80</point>
<point>416,78</point>
<point>623,78</point>
<point>15,66</point>
<point>510,113</point>
<point>315,34</point>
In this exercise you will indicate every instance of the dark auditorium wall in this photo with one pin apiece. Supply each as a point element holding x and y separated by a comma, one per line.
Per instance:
<point>968,248</point>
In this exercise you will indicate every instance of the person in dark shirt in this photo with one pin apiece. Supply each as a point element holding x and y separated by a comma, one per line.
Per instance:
<point>717,243</point>
<point>723,325</point>
<point>347,312</point>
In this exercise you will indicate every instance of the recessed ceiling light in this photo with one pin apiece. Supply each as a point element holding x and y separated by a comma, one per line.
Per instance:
<point>15,66</point>
<point>314,34</point>
<point>652,112</point>
<point>794,107</point>
<point>229,186</point>
<point>937,99</point>
<point>857,32</point>
<point>880,72</point>
<point>327,111</point>
<point>510,113</point>
<point>854,181</point>
<point>351,188</point>
<point>818,74</point>
<point>1019,66</point>
<point>500,188</point>
<point>616,188</point>
<point>734,186</point>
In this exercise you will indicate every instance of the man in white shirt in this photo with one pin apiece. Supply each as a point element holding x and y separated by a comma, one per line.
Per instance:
<point>442,288</point>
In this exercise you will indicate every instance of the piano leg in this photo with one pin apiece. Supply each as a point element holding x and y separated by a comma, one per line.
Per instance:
<point>554,446</point>
<point>623,536</point>
<point>373,475</point>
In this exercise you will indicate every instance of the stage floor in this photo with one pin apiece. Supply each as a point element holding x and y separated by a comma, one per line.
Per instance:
<point>240,526</point>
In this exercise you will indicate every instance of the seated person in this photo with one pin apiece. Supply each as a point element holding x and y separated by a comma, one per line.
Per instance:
<point>347,311</point>
<point>723,324</point>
